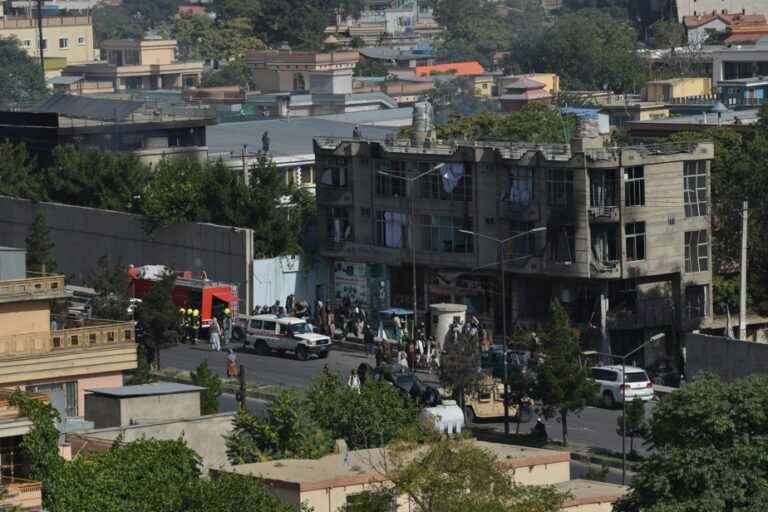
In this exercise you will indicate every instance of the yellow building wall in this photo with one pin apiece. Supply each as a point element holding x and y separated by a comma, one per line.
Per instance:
<point>683,88</point>
<point>543,474</point>
<point>25,317</point>
<point>484,87</point>
<point>160,55</point>
<point>659,113</point>
<point>77,51</point>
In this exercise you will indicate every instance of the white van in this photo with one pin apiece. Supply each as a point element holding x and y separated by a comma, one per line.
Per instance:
<point>266,333</point>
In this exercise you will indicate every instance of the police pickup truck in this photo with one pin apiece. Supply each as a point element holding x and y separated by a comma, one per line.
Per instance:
<point>268,333</point>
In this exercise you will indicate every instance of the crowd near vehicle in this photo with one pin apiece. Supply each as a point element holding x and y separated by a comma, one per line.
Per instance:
<point>267,333</point>
<point>634,385</point>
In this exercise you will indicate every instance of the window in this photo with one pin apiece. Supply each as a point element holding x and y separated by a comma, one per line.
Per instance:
<point>255,324</point>
<point>603,188</point>
<point>390,186</point>
<point>391,229</point>
<point>81,41</point>
<point>339,228</point>
<point>45,44</point>
<point>365,212</point>
<point>695,188</point>
<point>521,186</point>
<point>63,43</point>
<point>697,301</point>
<point>284,331</point>
<point>604,375</point>
<point>26,43</point>
<point>333,172</point>
<point>635,237</point>
<point>433,186</point>
<point>559,188</point>
<point>523,245</point>
<point>634,186</point>
<point>696,251</point>
<point>440,233</point>
<point>269,326</point>
<point>562,244</point>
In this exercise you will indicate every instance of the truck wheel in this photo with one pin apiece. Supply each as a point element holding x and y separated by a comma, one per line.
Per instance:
<point>301,353</point>
<point>262,348</point>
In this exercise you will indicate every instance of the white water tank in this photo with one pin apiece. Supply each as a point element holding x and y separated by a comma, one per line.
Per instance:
<point>447,417</point>
<point>443,316</point>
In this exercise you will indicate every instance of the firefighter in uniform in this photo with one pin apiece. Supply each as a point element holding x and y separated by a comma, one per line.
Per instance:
<point>195,325</point>
<point>189,333</point>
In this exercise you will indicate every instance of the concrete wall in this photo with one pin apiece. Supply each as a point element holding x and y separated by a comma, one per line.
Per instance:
<point>276,278</point>
<point>220,250</point>
<point>12,263</point>
<point>24,317</point>
<point>103,411</point>
<point>730,359</point>
<point>204,434</point>
<point>107,411</point>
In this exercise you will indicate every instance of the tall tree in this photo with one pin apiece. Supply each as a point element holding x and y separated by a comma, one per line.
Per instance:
<point>667,34</point>
<point>159,317</point>
<point>18,176</point>
<point>562,384</point>
<point>40,247</point>
<point>710,442</point>
<point>111,282</point>
<point>21,79</point>
<point>473,30</point>
<point>460,363</point>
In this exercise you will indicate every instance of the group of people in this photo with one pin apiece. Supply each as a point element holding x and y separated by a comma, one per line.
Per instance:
<point>294,308</point>
<point>419,353</point>
<point>219,328</point>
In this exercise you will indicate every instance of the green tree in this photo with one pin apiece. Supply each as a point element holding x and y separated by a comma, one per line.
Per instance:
<point>204,377</point>
<point>21,80</point>
<point>709,440</point>
<point>40,247</point>
<point>18,176</point>
<point>116,22</point>
<point>473,30</point>
<point>159,317</point>
<point>562,384</point>
<point>229,492</point>
<point>234,72</point>
<point>200,37</point>
<point>174,194</point>
<point>460,363</point>
<point>635,422</point>
<point>375,416</point>
<point>95,178</point>
<point>143,372</point>
<point>534,123</point>
<point>455,475</point>
<point>589,49</point>
<point>287,431</point>
<point>379,500</point>
<point>142,476</point>
<point>667,34</point>
<point>111,283</point>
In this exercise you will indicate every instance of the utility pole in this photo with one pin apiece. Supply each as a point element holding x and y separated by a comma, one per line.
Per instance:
<point>743,294</point>
<point>40,36</point>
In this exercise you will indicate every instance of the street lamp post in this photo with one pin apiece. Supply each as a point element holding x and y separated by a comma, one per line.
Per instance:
<point>411,180</point>
<point>652,339</point>
<point>502,243</point>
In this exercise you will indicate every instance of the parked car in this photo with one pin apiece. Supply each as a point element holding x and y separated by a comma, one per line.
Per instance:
<point>614,389</point>
<point>408,383</point>
<point>267,333</point>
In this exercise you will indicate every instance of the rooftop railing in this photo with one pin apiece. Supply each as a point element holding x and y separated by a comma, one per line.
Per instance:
<point>31,288</point>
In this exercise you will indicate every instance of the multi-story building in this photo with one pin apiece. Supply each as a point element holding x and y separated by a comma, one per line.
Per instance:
<point>626,247</point>
<point>64,37</point>
<point>48,354</point>
<point>135,65</point>
<point>316,72</point>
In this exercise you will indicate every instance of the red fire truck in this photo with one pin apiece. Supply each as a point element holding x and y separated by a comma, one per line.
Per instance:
<point>209,297</point>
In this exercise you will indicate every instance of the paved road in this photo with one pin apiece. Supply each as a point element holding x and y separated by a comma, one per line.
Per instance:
<point>273,370</point>
<point>592,427</point>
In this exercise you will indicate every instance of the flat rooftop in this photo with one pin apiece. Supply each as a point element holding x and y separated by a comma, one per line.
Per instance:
<point>288,137</point>
<point>590,492</point>
<point>156,389</point>
<point>365,466</point>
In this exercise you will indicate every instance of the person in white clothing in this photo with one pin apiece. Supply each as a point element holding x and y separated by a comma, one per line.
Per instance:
<point>214,331</point>
<point>402,359</point>
<point>354,381</point>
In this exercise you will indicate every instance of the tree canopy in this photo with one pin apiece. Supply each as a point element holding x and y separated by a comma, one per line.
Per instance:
<point>710,440</point>
<point>534,123</point>
<point>40,247</point>
<point>21,79</point>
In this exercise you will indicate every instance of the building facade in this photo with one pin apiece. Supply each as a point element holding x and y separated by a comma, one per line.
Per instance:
<point>316,72</point>
<point>64,37</point>
<point>626,247</point>
<point>54,356</point>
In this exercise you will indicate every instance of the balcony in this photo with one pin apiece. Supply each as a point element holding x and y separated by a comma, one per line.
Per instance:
<point>23,493</point>
<point>604,214</point>
<point>98,334</point>
<point>32,288</point>
<point>8,411</point>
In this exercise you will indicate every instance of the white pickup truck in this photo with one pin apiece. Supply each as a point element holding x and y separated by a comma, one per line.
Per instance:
<point>266,333</point>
